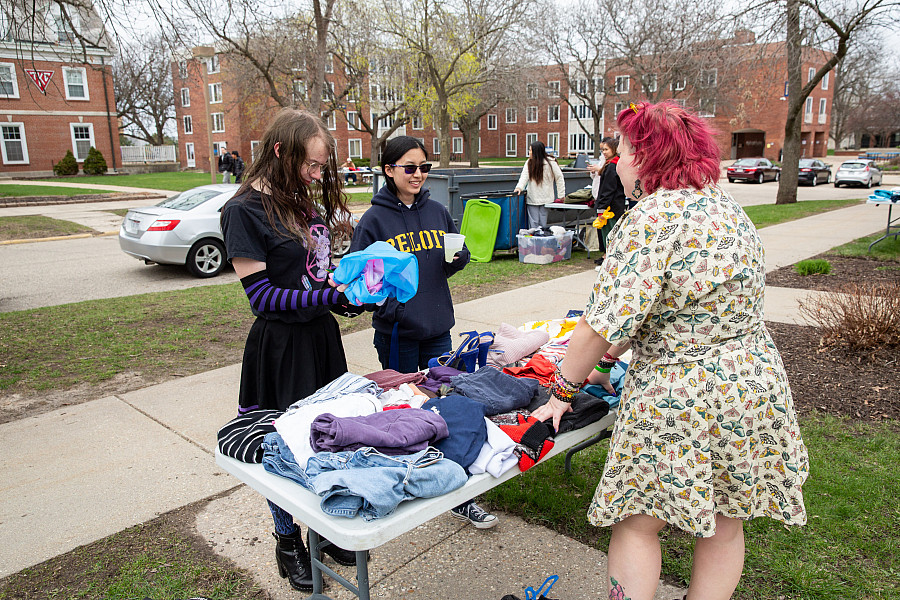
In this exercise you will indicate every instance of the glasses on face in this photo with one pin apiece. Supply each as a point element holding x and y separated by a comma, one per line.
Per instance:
<point>410,169</point>
<point>315,166</point>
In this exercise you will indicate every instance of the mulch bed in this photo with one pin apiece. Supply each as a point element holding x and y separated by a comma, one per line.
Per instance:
<point>864,385</point>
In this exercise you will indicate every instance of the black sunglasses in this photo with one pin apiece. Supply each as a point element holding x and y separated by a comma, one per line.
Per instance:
<point>410,169</point>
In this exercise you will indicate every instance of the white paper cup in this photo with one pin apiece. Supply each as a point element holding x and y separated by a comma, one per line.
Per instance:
<point>453,243</point>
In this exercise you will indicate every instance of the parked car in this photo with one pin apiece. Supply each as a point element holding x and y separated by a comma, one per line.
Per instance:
<point>753,169</point>
<point>862,171</point>
<point>185,230</point>
<point>813,171</point>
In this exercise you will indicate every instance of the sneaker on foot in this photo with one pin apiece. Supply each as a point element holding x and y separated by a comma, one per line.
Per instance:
<point>475,515</point>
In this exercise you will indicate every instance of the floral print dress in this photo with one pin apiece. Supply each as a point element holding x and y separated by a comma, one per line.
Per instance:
<point>706,423</point>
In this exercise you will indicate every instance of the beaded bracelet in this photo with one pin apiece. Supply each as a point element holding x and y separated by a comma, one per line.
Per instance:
<point>565,383</point>
<point>559,392</point>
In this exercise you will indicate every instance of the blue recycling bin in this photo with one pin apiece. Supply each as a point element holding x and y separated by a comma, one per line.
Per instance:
<point>513,216</point>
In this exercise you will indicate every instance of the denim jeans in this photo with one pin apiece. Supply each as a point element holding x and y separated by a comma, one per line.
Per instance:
<point>414,354</point>
<point>365,481</point>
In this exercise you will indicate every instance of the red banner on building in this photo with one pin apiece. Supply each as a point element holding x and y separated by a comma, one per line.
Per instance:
<point>40,78</point>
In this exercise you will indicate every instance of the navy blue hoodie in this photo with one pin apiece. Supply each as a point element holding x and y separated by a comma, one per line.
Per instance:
<point>418,229</point>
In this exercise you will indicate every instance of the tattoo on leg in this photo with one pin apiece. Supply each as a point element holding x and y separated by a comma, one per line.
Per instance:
<point>637,192</point>
<point>617,592</point>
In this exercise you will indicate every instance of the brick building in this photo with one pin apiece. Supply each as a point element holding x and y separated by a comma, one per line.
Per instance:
<point>746,107</point>
<point>56,92</point>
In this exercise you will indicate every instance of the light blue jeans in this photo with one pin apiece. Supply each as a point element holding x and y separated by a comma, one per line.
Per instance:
<point>365,481</point>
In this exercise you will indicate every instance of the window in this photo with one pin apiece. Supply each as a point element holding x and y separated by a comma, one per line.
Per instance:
<point>253,146</point>
<point>76,83</point>
<point>582,111</point>
<point>353,94</point>
<point>328,90</point>
<point>188,124</point>
<point>553,113</point>
<point>212,64</point>
<point>354,147</point>
<point>623,83</point>
<point>4,27</point>
<point>455,126</point>
<point>511,144</point>
<point>709,77</point>
<point>706,107</point>
<point>553,90</point>
<point>215,93</point>
<point>531,90</point>
<point>810,74</point>
<point>619,107</point>
<point>553,142</point>
<point>678,84</point>
<point>385,123</point>
<point>189,154</point>
<point>457,145</point>
<point>329,64</point>
<point>418,122</point>
<point>825,80</point>
<point>9,87</point>
<point>182,69</point>
<point>581,142</point>
<point>64,24</point>
<point>352,120</point>
<point>511,115</point>
<point>807,116</point>
<point>218,122</point>
<point>330,120</point>
<point>185,97</point>
<point>299,91</point>
<point>479,144</point>
<point>823,116</point>
<point>649,82</point>
<point>530,138</point>
<point>599,85</point>
<point>531,114</point>
<point>14,148</point>
<point>581,87</point>
<point>492,121</point>
<point>436,146</point>
<point>82,139</point>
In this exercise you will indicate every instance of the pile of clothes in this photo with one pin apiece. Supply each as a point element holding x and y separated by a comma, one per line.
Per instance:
<point>364,444</point>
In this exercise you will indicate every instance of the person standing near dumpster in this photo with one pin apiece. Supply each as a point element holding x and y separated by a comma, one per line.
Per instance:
<point>278,230</point>
<point>610,194</point>
<point>408,335</point>
<point>539,174</point>
<point>706,435</point>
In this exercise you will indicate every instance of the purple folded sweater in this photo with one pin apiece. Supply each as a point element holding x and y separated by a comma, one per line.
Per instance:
<point>392,432</point>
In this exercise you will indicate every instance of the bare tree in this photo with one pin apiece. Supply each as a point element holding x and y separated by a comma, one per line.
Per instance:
<point>145,100</point>
<point>445,36</point>
<point>859,78</point>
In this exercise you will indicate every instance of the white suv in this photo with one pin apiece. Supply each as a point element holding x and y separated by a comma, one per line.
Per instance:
<point>862,171</point>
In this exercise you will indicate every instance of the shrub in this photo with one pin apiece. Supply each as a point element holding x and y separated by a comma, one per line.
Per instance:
<point>859,316</point>
<point>816,266</point>
<point>361,162</point>
<point>94,164</point>
<point>67,166</point>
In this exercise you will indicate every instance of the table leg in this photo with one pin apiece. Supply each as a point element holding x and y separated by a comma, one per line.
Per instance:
<point>360,590</point>
<point>887,231</point>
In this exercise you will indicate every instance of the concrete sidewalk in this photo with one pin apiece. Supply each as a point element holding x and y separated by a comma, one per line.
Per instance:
<point>78,474</point>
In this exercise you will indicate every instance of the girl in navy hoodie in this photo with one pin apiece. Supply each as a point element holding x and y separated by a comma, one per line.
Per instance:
<point>408,334</point>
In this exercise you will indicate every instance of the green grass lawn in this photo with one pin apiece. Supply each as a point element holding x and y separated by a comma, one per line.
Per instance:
<point>887,249</point>
<point>177,181</point>
<point>764,215</point>
<point>37,226</point>
<point>848,549</point>
<point>13,190</point>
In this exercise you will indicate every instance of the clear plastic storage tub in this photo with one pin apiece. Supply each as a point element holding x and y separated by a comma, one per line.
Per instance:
<point>543,250</point>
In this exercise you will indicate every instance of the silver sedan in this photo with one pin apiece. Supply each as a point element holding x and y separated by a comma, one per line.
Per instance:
<point>862,171</point>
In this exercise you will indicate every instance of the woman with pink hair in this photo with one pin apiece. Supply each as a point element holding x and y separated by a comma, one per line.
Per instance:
<point>706,436</point>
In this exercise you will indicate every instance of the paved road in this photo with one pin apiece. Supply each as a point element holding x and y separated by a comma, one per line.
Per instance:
<point>40,274</point>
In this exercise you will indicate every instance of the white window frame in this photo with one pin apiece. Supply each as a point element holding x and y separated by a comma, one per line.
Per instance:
<point>298,90</point>
<point>182,69</point>
<point>709,82</point>
<point>24,142</point>
<point>553,142</point>
<point>190,153</point>
<point>554,89</point>
<point>328,91</point>
<point>454,126</point>
<point>617,108</point>
<point>706,107</point>
<point>531,114</point>
<point>623,84</point>
<point>185,97</point>
<point>352,120</point>
<point>218,122</point>
<point>350,144</point>
<point>492,122</point>
<point>678,85</point>
<point>83,71</point>
<point>329,64</point>
<point>825,80</point>
<point>581,87</point>
<point>553,113</point>
<point>457,145</point>
<point>254,144</point>
<point>187,123</point>
<point>651,83</point>
<point>418,123</point>
<point>13,79</point>
<point>810,74</point>
<point>823,112</point>
<point>512,112</point>
<point>512,137</point>
<point>215,93</point>
<point>436,146</point>
<point>531,91</point>
<point>530,138</point>
<point>212,64</point>
<point>92,143</point>
<point>330,120</point>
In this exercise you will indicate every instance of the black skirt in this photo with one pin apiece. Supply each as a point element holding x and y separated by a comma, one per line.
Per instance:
<point>284,362</point>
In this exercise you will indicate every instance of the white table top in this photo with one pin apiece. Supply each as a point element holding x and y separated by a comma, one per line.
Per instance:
<point>563,206</point>
<point>359,534</point>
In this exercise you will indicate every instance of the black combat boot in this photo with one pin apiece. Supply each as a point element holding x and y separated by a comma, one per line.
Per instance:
<point>293,561</point>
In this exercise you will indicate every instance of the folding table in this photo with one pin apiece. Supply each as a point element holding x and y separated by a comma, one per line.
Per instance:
<point>894,199</point>
<point>578,212</point>
<point>359,535</point>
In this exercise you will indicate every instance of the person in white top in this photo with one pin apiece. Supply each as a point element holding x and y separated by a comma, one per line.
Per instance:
<point>538,176</point>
